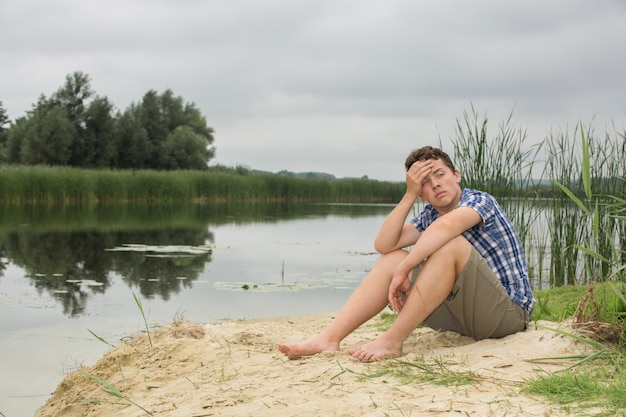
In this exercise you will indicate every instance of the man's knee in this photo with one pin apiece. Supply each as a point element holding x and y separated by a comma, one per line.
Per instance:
<point>456,252</point>
<point>455,248</point>
<point>396,256</point>
<point>391,260</point>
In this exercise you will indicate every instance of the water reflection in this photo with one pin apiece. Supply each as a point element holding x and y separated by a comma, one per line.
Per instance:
<point>66,253</point>
<point>72,265</point>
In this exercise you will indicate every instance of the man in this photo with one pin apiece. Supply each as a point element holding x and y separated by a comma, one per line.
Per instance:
<point>466,271</point>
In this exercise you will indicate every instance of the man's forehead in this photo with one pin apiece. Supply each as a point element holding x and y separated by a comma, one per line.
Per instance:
<point>438,164</point>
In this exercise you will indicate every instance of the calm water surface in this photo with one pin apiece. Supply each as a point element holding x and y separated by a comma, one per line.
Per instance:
<point>67,272</point>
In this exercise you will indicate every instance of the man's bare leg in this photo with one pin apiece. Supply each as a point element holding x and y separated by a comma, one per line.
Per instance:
<point>367,300</point>
<point>432,287</point>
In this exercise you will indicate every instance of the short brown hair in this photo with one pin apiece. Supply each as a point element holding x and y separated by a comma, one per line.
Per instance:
<point>428,152</point>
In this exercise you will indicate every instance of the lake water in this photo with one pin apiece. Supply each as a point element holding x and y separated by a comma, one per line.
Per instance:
<point>67,274</point>
<point>71,278</point>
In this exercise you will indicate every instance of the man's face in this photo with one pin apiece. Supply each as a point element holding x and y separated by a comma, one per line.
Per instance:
<point>441,187</point>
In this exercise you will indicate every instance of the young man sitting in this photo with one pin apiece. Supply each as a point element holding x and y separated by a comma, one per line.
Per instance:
<point>466,271</point>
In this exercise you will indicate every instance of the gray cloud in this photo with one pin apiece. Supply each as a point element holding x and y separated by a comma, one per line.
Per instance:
<point>347,87</point>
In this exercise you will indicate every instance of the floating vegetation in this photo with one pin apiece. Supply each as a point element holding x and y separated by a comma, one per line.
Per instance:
<point>265,287</point>
<point>85,282</point>
<point>170,250</point>
<point>337,284</point>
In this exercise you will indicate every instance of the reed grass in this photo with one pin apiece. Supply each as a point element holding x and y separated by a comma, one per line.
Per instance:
<point>597,205</point>
<point>100,338</point>
<point>586,228</point>
<point>578,197</point>
<point>40,185</point>
<point>139,305</point>
<point>502,165</point>
<point>143,315</point>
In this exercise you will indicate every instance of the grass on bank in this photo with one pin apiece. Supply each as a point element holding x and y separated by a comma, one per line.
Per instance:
<point>593,384</point>
<point>596,382</point>
<point>592,391</point>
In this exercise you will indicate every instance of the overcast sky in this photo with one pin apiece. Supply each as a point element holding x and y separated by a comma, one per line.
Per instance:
<point>344,87</point>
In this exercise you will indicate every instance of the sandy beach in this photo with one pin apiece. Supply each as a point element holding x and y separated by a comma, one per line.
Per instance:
<point>234,369</point>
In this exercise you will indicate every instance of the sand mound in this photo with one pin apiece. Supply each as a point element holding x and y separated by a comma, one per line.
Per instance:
<point>234,369</point>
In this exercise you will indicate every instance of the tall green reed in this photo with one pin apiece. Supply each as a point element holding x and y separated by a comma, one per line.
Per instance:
<point>589,176</point>
<point>143,315</point>
<point>562,165</point>
<point>67,186</point>
<point>502,165</point>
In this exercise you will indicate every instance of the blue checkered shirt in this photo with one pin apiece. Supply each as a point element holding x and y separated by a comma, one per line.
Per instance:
<point>496,240</point>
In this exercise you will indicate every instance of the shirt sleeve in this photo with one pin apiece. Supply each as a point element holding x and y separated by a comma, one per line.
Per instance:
<point>425,218</point>
<point>482,203</point>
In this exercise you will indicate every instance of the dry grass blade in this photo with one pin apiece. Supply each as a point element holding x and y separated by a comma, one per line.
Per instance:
<point>114,392</point>
<point>140,306</point>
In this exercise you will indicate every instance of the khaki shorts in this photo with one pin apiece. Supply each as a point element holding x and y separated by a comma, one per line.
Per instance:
<point>478,305</point>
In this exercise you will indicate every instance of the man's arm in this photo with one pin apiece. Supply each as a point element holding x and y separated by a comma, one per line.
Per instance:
<point>440,232</point>
<point>396,233</point>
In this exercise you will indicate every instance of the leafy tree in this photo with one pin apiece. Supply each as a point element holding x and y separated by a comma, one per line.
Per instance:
<point>4,122</point>
<point>152,121</point>
<point>72,127</point>
<point>98,134</point>
<point>185,149</point>
<point>197,122</point>
<point>48,135</point>
<point>73,96</point>
<point>172,110</point>
<point>15,139</point>
<point>93,121</point>
<point>131,140</point>
<point>76,127</point>
<point>161,115</point>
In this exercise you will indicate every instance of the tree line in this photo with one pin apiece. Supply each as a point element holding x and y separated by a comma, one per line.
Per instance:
<point>76,127</point>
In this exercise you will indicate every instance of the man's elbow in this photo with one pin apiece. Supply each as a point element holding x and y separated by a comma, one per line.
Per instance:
<point>381,248</point>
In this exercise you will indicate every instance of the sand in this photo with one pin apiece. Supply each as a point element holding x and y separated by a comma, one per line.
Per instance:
<point>234,369</point>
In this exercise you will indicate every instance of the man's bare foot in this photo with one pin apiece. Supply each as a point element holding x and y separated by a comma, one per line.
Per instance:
<point>376,350</point>
<point>307,348</point>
